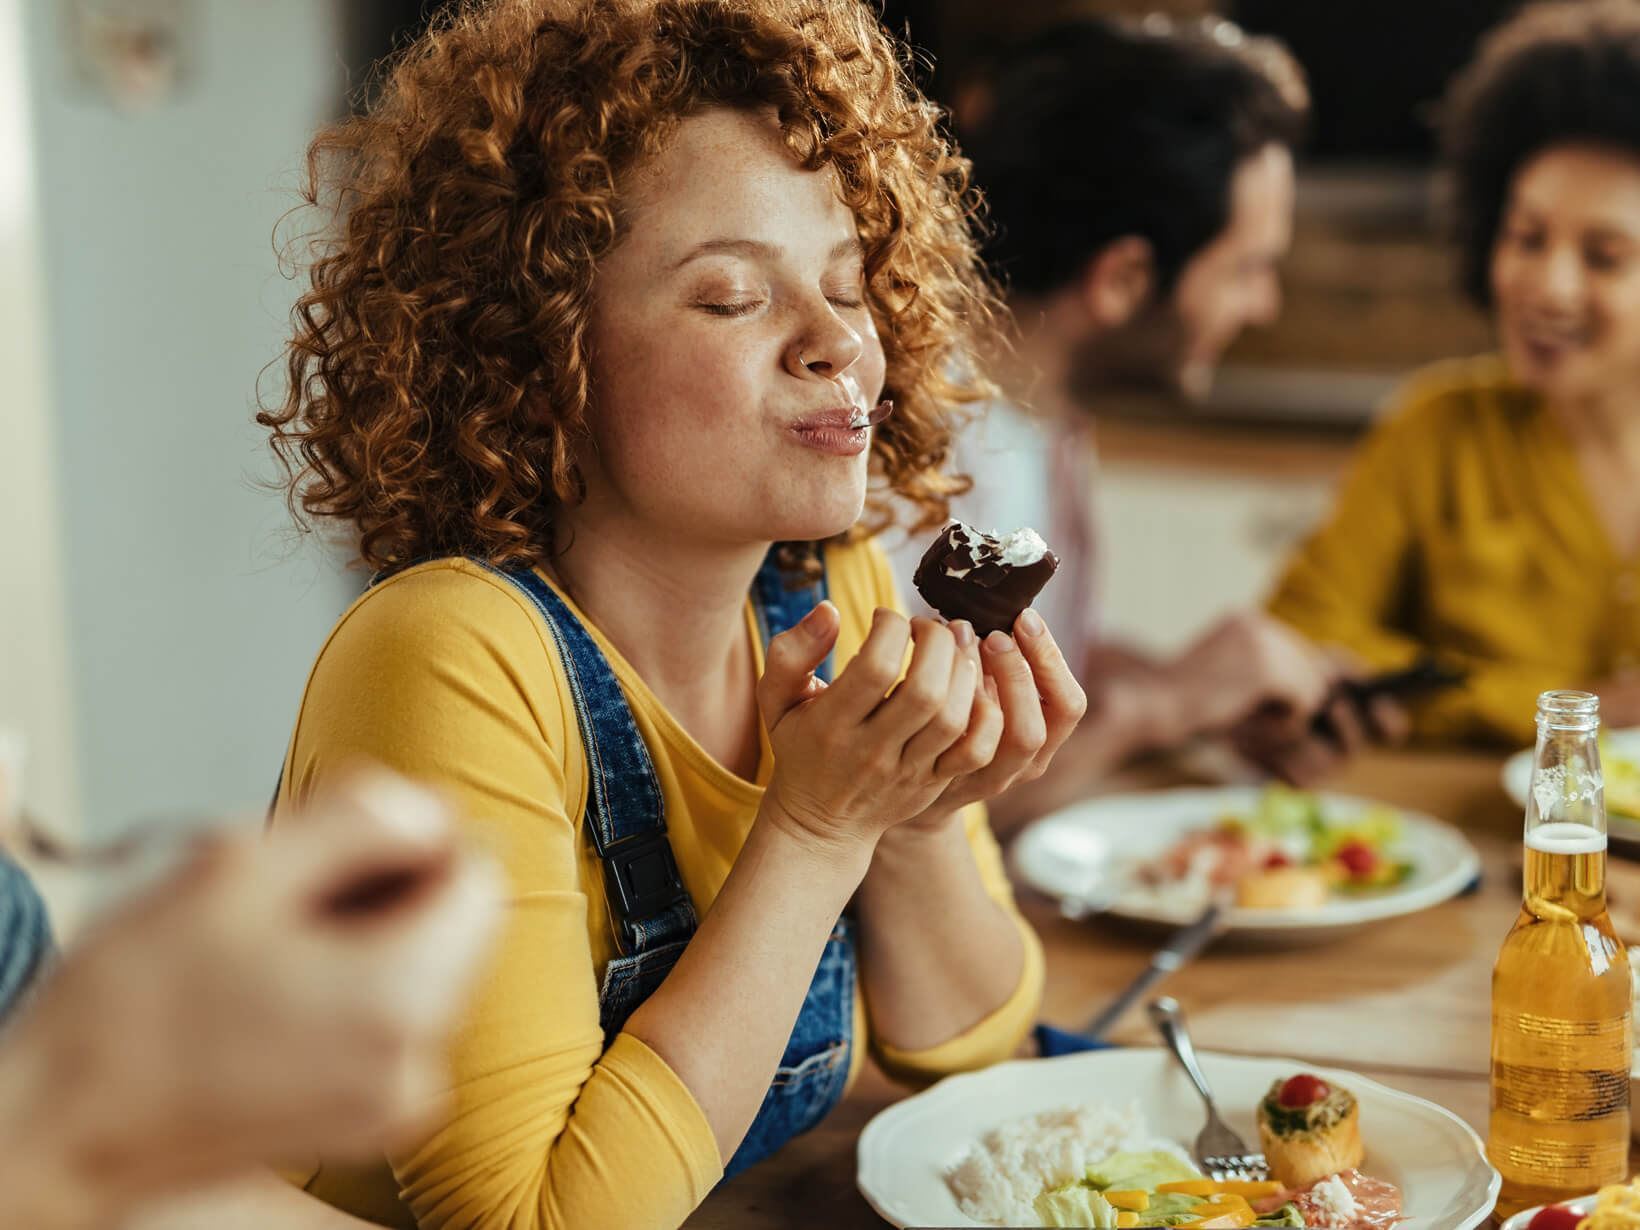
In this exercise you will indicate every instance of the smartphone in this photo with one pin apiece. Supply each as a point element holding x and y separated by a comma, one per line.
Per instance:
<point>1428,676</point>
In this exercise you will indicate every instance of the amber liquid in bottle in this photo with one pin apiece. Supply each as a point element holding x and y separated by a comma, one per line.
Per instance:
<point>1561,991</point>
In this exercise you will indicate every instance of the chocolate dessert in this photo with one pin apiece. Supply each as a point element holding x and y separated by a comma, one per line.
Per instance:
<point>984,578</point>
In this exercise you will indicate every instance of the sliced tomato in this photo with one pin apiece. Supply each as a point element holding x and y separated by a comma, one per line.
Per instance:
<point>1358,858</point>
<point>1555,1217</point>
<point>1303,1090</point>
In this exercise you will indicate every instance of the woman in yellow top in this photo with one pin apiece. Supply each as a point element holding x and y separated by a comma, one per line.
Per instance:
<point>582,370</point>
<point>1494,517</point>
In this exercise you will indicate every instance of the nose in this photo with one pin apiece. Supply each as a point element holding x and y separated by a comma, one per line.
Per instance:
<point>825,347</point>
<point>1560,277</point>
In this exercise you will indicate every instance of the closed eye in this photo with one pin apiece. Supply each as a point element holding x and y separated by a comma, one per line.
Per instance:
<point>741,308</point>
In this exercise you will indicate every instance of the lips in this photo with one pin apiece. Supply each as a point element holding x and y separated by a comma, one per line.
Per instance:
<point>837,416</point>
<point>832,432</point>
<point>1551,334</point>
<point>1546,343</point>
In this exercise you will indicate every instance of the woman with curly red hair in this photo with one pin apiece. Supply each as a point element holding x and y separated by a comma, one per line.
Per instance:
<point>581,369</point>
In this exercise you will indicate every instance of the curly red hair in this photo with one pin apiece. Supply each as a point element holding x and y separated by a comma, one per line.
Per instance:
<point>438,382</point>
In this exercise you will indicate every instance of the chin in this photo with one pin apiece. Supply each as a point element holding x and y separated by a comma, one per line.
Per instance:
<point>823,514</point>
<point>1559,381</point>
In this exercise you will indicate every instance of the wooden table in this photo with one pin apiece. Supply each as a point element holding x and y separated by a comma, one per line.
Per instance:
<point>1405,1001</point>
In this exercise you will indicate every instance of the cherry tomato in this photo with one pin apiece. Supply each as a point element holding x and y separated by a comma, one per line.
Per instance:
<point>1303,1090</point>
<point>1555,1217</point>
<point>1359,859</point>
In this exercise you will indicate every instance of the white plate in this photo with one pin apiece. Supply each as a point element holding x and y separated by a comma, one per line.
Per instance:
<point>904,1152</point>
<point>1521,1220</point>
<point>1064,854</point>
<point>1517,770</point>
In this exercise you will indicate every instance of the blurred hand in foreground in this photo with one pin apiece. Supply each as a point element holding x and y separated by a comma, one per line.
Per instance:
<point>279,997</point>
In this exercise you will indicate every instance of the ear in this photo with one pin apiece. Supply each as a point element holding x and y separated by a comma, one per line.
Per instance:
<point>1119,281</point>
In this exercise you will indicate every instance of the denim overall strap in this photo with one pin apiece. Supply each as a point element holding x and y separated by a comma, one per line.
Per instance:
<point>625,815</point>
<point>779,607</point>
<point>25,935</point>
<point>814,1067</point>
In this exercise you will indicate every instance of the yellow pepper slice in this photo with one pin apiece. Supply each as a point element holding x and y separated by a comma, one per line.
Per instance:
<point>1221,1218</point>
<point>1126,1220</point>
<point>1209,1187</point>
<point>1190,1187</point>
<point>1224,1211</point>
<point>1138,1201</point>
<point>1253,1189</point>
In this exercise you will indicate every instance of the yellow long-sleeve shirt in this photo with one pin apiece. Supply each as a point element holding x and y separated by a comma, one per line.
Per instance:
<point>446,673</point>
<point>1465,527</point>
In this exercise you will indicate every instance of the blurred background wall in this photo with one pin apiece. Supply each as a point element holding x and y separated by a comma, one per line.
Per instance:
<point>165,620</point>
<point>34,671</point>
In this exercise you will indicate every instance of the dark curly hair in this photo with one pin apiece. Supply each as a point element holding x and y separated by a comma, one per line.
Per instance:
<point>1554,74</point>
<point>438,380</point>
<point>1096,129</point>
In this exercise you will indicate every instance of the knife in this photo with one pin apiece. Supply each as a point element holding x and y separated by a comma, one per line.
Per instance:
<point>1185,944</point>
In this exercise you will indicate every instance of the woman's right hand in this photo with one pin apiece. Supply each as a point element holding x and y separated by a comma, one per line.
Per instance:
<point>861,755</point>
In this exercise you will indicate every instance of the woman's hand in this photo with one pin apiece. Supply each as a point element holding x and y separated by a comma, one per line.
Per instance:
<point>864,754</point>
<point>1029,705</point>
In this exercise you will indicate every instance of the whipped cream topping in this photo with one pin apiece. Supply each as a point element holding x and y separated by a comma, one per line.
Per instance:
<point>1022,547</point>
<point>1015,550</point>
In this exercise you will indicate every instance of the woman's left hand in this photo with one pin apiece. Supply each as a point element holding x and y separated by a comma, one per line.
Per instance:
<point>1028,707</point>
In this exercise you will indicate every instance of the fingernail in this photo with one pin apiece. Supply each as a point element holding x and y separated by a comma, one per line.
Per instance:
<point>1030,623</point>
<point>808,621</point>
<point>1000,642</point>
<point>964,632</point>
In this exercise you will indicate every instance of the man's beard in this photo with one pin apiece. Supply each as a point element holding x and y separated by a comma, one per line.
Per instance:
<point>1146,355</point>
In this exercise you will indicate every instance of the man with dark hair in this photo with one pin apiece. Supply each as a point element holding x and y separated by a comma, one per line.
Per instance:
<point>1143,176</point>
<point>1139,186</point>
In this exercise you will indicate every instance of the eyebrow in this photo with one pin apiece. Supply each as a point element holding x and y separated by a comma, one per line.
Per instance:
<point>757,249</point>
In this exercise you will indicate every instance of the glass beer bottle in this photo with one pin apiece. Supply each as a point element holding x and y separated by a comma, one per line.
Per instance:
<point>1561,992</point>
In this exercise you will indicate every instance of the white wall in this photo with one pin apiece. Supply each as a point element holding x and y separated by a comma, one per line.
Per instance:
<point>1181,548</point>
<point>35,687</point>
<point>190,624</point>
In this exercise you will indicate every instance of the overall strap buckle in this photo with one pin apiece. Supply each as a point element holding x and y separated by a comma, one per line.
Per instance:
<point>642,876</point>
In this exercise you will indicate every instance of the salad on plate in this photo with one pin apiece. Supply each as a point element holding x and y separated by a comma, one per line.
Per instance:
<point>1287,852</point>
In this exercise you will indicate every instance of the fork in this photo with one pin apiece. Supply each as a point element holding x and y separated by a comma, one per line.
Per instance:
<point>1219,1151</point>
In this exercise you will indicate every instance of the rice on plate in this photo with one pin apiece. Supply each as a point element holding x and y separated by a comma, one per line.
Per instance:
<point>998,1180</point>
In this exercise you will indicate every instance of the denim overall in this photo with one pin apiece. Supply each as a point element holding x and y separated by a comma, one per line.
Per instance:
<point>25,935</point>
<point>652,912</point>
